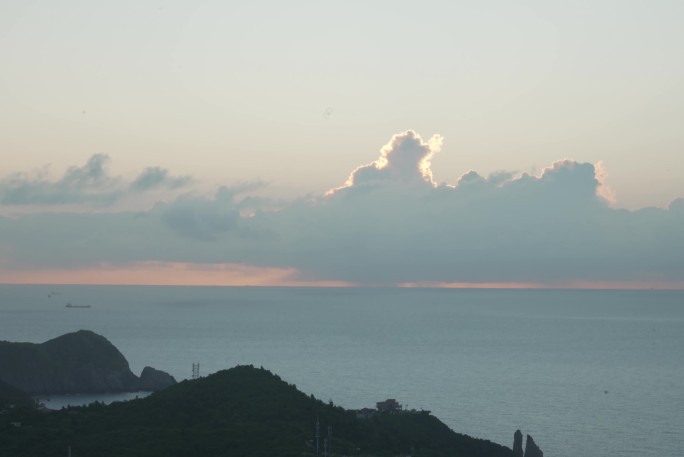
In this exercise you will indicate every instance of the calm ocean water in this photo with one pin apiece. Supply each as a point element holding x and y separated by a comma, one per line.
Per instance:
<point>587,373</point>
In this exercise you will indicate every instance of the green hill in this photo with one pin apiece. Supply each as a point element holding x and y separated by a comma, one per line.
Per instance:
<point>243,411</point>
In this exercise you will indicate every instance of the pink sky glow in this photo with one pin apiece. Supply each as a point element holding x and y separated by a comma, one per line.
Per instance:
<point>166,274</point>
<point>227,274</point>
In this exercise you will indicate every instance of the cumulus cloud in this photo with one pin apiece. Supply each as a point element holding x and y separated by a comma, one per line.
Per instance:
<point>677,205</point>
<point>406,159</point>
<point>156,177</point>
<point>390,223</point>
<point>88,184</point>
<point>201,218</point>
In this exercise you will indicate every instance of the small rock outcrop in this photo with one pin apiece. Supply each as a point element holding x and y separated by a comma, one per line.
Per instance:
<point>153,379</point>
<point>517,443</point>
<point>78,362</point>
<point>531,448</point>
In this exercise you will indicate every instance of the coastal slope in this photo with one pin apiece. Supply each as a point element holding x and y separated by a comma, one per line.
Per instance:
<point>11,397</point>
<point>243,411</point>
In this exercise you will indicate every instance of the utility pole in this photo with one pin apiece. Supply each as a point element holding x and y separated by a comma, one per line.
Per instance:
<point>329,440</point>
<point>318,434</point>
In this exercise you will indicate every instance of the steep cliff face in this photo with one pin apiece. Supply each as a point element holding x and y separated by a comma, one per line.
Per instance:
<point>79,362</point>
<point>517,443</point>
<point>531,448</point>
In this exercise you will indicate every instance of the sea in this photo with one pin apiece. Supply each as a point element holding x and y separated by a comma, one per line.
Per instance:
<point>585,372</point>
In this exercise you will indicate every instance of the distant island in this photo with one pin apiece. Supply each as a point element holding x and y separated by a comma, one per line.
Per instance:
<point>243,411</point>
<point>75,363</point>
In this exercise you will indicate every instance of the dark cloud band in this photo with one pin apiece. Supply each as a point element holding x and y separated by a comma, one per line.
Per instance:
<point>390,223</point>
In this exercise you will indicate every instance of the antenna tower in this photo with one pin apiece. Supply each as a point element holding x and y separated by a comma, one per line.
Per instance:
<point>195,371</point>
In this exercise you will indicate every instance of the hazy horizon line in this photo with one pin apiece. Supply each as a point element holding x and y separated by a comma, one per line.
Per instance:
<point>314,285</point>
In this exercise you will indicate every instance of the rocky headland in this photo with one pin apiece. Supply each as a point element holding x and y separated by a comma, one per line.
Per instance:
<point>79,362</point>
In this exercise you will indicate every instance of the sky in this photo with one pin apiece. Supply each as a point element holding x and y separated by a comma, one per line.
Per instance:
<point>465,144</point>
